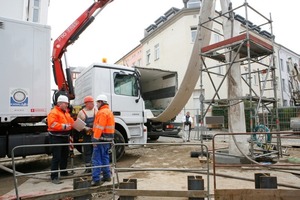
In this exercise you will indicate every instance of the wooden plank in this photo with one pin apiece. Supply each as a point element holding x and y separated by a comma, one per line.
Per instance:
<point>255,194</point>
<point>162,193</point>
<point>238,39</point>
<point>69,193</point>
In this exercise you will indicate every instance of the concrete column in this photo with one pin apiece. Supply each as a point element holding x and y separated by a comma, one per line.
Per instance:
<point>236,113</point>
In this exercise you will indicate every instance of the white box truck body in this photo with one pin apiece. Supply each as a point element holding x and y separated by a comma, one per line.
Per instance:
<point>25,89</point>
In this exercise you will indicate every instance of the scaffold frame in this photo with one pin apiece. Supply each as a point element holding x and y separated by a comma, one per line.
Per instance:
<point>253,47</point>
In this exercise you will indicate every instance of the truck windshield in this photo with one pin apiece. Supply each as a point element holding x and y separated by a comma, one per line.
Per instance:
<point>125,84</point>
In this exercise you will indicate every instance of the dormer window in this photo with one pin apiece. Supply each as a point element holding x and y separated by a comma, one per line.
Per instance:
<point>194,3</point>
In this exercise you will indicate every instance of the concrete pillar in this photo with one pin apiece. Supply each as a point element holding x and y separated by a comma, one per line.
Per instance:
<point>236,113</point>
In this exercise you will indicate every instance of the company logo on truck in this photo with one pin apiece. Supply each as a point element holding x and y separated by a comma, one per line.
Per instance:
<point>19,97</point>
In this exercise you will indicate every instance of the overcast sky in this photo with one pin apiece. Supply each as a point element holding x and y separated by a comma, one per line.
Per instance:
<point>120,26</point>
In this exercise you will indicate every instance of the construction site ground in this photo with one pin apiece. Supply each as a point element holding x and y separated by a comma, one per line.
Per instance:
<point>155,156</point>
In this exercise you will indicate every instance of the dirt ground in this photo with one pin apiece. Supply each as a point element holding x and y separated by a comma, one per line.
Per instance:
<point>174,155</point>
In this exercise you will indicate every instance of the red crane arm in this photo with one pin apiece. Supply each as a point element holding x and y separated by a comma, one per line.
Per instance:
<point>70,35</point>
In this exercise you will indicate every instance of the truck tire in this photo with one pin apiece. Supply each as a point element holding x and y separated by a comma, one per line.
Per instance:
<point>154,138</point>
<point>120,149</point>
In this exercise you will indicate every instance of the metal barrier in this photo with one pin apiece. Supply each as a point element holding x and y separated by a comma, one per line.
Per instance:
<point>161,193</point>
<point>266,152</point>
<point>15,174</point>
<point>115,171</point>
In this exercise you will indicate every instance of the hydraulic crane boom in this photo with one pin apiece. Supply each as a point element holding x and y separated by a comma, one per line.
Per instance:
<point>69,36</point>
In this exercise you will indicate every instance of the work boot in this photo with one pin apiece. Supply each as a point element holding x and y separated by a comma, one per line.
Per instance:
<point>65,174</point>
<point>56,181</point>
<point>87,171</point>
<point>108,179</point>
<point>96,183</point>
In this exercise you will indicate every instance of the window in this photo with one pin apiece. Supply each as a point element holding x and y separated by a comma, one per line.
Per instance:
<point>36,10</point>
<point>246,77</point>
<point>281,64</point>
<point>156,51</point>
<point>255,79</point>
<point>217,37</point>
<point>283,85</point>
<point>220,70</point>
<point>193,3</point>
<point>246,74</point>
<point>139,62</point>
<point>287,65</point>
<point>288,68</point>
<point>193,34</point>
<point>125,84</point>
<point>148,57</point>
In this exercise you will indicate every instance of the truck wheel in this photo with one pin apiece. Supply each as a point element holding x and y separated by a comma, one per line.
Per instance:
<point>120,149</point>
<point>154,138</point>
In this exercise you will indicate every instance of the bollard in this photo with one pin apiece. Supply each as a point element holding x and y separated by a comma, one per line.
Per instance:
<point>257,179</point>
<point>82,183</point>
<point>128,184</point>
<point>195,183</point>
<point>268,182</point>
<point>132,181</point>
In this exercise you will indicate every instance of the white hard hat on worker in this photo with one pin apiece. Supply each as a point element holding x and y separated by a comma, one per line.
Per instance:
<point>101,100</point>
<point>62,98</point>
<point>102,97</point>
<point>63,102</point>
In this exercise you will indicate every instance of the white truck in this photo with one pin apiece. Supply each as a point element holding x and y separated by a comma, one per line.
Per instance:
<point>25,90</point>
<point>126,89</point>
<point>158,87</point>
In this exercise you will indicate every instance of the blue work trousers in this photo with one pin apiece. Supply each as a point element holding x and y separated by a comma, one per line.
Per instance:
<point>100,157</point>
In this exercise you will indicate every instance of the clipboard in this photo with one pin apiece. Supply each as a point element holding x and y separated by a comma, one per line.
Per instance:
<point>79,124</point>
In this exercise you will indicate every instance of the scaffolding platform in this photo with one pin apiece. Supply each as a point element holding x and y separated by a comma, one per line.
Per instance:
<point>264,100</point>
<point>259,46</point>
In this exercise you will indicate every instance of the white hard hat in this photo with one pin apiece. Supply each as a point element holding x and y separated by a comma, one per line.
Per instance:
<point>102,97</point>
<point>63,98</point>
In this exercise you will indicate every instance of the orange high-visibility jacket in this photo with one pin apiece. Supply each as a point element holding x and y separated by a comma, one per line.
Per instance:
<point>104,124</point>
<point>58,120</point>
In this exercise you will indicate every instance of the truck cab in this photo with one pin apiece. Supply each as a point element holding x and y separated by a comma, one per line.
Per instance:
<point>122,87</point>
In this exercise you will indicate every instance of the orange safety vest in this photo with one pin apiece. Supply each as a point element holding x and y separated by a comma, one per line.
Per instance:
<point>104,124</point>
<point>58,119</point>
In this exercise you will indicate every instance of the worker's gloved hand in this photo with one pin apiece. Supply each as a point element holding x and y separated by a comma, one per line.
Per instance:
<point>69,127</point>
<point>88,131</point>
<point>94,140</point>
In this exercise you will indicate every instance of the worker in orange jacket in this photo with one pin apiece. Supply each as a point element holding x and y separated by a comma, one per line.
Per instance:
<point>104,129</point>
<point>59,126</point>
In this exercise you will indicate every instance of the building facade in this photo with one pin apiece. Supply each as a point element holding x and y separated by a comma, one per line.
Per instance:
<point>168,44</point>
<point>25,10</point>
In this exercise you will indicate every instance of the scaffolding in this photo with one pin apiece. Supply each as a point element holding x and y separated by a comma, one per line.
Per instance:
<point>254,47</point>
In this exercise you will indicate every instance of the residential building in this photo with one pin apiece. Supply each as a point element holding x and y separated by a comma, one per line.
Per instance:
<point>26,10</point>
<point>168,43</point>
